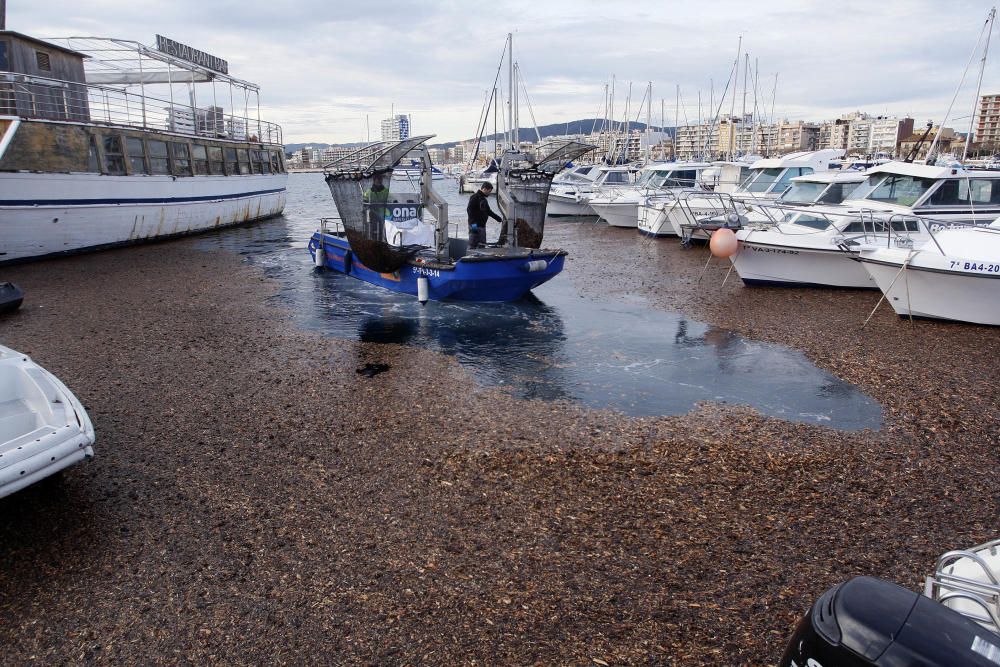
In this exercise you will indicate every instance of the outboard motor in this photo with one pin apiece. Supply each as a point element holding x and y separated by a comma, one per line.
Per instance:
<point>869,622</point>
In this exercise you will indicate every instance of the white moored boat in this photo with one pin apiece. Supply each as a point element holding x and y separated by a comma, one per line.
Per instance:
<point>894,207</point>
<point>619,207</point>
<point>954,276</point>
<point>43,427</point>
<point>117,149</point>
<point>765,182</point>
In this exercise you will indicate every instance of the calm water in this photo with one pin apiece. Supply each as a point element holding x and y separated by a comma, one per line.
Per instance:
<point>555,344</point>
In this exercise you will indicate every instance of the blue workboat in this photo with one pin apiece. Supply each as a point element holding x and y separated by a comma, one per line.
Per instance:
<point>396,236</point>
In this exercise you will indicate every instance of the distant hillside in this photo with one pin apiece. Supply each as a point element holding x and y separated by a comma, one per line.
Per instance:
<point>582,126</point>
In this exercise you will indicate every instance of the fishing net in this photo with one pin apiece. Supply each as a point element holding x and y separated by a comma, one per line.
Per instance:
<point>362,188</point>
<point>523,187</point>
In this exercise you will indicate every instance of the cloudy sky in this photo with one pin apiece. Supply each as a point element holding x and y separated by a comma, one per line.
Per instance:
<point>324,66</point>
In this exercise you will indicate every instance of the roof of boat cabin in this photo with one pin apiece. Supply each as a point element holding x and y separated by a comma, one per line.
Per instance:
<point>833,176</point>
<point>671,166</point>
<point>930,170</point>
<point>800,159</point>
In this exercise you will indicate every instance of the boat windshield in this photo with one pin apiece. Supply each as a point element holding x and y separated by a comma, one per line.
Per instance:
<point>893,189</point>
<point>761,180</point>
<point>652,178</point>
<point>837,193</point>
<point>803,193</point>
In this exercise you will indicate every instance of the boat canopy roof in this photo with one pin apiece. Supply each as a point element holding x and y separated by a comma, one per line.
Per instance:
<point>818,160</point>
<point>111,61</point>
<point>374,158</point>
<point>849,176</point>
<point>929,171</point>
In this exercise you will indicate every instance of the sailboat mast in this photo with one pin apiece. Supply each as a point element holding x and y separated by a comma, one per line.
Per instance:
<point>732,102</point>
<point>649,101</point>
<point>979,83</point>
<point>677,118</point>
<point>510,90</point>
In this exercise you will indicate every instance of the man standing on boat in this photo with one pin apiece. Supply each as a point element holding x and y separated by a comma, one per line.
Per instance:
<point>479,213</point>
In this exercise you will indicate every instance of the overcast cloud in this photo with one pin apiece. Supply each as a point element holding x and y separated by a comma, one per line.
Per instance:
<point>323,66</point>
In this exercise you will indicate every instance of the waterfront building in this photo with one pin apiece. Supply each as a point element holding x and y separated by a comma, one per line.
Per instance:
<point>396,128</point>
<point>950,142</point>
<point>988,124</point>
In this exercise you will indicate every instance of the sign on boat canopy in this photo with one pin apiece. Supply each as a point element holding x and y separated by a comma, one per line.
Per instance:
<point>185,52</point>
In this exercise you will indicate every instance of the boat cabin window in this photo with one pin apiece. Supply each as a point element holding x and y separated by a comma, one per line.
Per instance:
<point>114,156</point>
<point>215,165</point>
<point>93,160</point>
<point>275,162</point>
<point>159,161</point>
<point>616,178</point>
<point>182,159</point>
<point>862,227</point>
<point>4,62</point>
<point>684,178</point>
<point>965,192</point>
<point>812,221</point>
<point>232,166</point>
<point>199,158</point>
<point>261,162</point>
<point>893,189</point>
<point>244,160</point>
<point>136,155</point>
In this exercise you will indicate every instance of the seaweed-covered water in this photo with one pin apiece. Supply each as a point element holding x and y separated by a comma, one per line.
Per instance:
<point>555,344</point>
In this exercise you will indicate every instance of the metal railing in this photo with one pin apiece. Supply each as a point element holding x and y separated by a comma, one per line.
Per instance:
<point>53,99</point>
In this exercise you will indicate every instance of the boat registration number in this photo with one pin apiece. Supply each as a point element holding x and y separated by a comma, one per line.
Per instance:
<point>978,267</point>
<point>421,271</point>
<point>767,249</point>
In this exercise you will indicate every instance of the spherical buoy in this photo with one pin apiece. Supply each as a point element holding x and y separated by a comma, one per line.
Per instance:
<point>723,243</point>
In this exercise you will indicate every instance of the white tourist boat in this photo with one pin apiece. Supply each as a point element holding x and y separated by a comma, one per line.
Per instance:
<point>43,427</point>
<point>105,142</point>
<point>619,207</point>
<point>954,276</point>
<point>895,207</point>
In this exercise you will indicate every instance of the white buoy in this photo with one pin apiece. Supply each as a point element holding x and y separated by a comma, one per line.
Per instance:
<point>422,288</point>
<point>318,258</point>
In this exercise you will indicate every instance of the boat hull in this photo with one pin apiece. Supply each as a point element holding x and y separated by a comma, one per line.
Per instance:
<point>617,214</point>
<point>792,266</point>
<point>937,294</point>
<point>51,214</point>
<point>654,220</point>
<point>557,206</point>
<point>43,427</point>
<point>474,279</point>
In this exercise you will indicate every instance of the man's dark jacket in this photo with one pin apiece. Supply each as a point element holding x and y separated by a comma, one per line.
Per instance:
<point>479,210</point>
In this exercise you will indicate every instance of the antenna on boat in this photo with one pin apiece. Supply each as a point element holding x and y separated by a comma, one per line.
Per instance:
<point>987,25</point>
<point>3,14</point>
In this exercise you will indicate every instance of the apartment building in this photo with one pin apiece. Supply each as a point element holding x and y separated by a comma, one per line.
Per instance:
<point>988,125</point>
